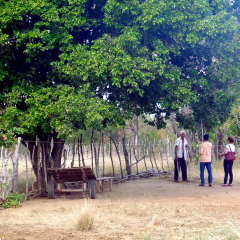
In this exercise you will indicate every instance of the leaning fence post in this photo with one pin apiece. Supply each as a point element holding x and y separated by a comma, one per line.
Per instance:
<point>134,153</point>
<point>118,156</point>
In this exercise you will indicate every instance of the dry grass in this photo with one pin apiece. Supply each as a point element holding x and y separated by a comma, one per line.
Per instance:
<point>133,219</point>
<point>85,218</point>
<point>136,216</point>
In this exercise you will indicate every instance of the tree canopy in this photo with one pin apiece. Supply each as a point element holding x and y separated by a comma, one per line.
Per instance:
<point>72,64</point>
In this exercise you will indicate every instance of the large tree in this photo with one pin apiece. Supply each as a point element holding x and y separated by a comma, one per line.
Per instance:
<point>155,57</point>
<point>68,65</point>
<point>215,67</point>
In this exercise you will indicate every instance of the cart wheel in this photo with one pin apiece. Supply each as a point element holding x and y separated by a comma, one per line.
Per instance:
<point>92,189</point>
<point>50,187</point>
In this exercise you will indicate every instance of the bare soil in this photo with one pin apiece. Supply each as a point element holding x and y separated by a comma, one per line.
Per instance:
<point>154,208</point>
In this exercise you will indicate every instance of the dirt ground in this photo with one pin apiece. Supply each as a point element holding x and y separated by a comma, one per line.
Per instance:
<point>154,208</point>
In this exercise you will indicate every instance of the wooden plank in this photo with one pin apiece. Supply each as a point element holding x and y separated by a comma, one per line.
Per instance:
<point>105,178</point>
<point>110,184</point>
<point>72,174</point>
<point>84,186</point>
<point>100,183</point>
<point>98,186</point>
<point>69,190</point>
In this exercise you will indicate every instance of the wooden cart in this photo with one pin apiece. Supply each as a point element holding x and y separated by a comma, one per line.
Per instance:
<point>59,176</point>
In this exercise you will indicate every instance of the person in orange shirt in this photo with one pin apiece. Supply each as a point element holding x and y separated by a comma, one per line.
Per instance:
<point>205,160</point>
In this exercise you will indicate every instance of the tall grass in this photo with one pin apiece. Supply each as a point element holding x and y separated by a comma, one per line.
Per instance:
<point>85,217</point>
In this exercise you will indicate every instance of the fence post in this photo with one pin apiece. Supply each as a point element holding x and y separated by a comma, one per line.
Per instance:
<point>103,153</point>
<point>111,156</point>
<point>118,156</point>
<point>160,154</point>
<point>39,176</point>
<point>73,151</point>
<point>78,151</point>
<point>149,152</point>
<point>4,176</point>
<point>82,150</point>
<point>1,157</point>
<point>15,166</point>
<point>154,157</point>
<point>26,170</point>
<point>130,152</point>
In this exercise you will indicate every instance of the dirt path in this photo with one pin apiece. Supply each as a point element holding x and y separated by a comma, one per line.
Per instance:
<point>183,211</point>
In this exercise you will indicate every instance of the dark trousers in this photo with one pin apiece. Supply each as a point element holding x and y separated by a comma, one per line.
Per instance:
<point>180,164</point>
<point>228,170</point>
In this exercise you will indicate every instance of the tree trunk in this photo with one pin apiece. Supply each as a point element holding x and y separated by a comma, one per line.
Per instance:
<point>129,172</point>
<point>42,157</point>
<point>220,136</point>
<point>189,140</point>
<point>58,145</point>
<point>174,125</point>
<point>33,155</point>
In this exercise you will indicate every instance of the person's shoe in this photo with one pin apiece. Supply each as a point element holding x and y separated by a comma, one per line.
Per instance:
<point>210,185</point>
<point>201,185</point>
<point>230,185</point>
<point>176,181</point>
<point>185,180</point>
<point>224,185</point>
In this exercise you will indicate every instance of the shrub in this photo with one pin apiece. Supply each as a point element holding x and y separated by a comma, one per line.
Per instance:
<point>85,222</point>
<point>85,219</point>
<point>13,200</point>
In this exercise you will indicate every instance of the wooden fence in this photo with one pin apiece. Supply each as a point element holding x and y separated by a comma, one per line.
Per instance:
<point>106,157</point>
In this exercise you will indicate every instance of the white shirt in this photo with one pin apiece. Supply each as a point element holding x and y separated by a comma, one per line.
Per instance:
<point>179,149</point>
<point>231,146</point>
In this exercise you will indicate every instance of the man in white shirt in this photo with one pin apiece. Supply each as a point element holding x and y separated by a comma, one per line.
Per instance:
<point>180,153</point>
